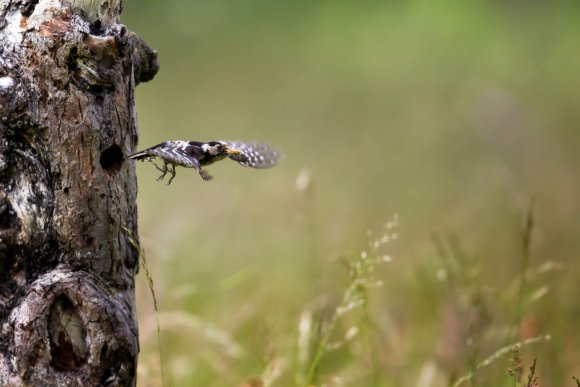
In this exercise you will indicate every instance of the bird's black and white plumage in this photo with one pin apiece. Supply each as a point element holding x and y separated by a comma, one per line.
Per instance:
<point>195,154</point>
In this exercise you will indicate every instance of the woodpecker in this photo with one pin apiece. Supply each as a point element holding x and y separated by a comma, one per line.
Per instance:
<point>196,154</point>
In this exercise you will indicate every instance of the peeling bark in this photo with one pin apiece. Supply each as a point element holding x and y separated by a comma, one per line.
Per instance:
<point>68,220</point>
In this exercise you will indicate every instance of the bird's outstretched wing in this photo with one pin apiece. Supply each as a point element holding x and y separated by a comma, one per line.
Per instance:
<point>251,154</point>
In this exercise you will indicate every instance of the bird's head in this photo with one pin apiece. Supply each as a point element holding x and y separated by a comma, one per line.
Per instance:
<point>214,148</point>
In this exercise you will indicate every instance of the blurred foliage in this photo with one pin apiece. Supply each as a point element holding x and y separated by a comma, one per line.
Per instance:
<point>455,115</point>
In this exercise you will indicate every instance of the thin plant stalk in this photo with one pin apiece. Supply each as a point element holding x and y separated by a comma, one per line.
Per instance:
<point>151,288</point>
<point>498,354</point>
<point>526,254</point>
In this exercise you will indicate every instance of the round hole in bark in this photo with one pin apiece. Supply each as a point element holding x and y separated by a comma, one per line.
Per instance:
<point>96,27</point>
<point>8,218</point>
<point>112,158</point>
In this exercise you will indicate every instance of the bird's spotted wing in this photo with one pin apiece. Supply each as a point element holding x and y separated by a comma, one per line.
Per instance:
<point>252,154</point>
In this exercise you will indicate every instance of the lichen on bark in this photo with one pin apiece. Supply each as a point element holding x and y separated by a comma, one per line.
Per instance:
<point>68,219</point>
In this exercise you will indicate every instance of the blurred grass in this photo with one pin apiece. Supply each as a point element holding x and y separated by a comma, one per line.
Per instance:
<point>453,115</point>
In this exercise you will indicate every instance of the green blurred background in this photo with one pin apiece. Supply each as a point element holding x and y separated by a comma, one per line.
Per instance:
<point>454,115</point>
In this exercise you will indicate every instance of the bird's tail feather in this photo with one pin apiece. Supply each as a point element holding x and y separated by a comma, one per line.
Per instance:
<point>139,155</point>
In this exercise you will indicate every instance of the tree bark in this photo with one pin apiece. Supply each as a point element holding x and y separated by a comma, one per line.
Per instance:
<point>68,221</point>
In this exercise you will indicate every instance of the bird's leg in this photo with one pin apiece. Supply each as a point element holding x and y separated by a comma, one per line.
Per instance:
<point>204,175</point>
<point>163,170</point>
<point>172,171</point>
<point>157,166</point>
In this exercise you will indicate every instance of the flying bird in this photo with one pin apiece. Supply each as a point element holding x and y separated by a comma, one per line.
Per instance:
<point>196,154</point>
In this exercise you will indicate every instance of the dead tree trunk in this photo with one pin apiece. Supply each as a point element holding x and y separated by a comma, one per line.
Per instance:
<point>68,222</point>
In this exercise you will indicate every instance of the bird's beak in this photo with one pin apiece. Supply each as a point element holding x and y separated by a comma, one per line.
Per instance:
<point>233,152</point>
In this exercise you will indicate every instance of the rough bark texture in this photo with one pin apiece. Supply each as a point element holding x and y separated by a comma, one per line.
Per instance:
<point>68,222</point>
